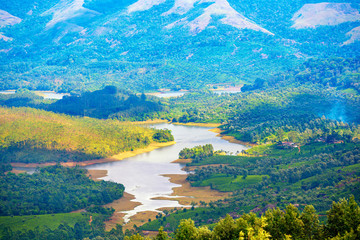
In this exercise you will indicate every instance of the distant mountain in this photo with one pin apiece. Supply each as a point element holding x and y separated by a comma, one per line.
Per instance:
<point>67,45</point>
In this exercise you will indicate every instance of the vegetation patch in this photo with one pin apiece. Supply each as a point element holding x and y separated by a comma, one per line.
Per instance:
<point>35,136</point>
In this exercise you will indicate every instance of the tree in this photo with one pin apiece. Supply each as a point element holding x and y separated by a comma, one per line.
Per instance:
<point>292,222</point>
<point>226,229</point>
<point>343,217</point>
<point>257,231</point>
<point>274,220</point>
<point>203,233</point>
<point>311,222</point>
<point>162,235</point>
<point>186,230</point>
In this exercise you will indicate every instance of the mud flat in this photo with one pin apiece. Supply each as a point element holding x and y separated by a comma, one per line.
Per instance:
<point>186,194</point>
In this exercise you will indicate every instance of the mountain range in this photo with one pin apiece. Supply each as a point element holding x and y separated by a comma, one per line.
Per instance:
<point>147,45</point>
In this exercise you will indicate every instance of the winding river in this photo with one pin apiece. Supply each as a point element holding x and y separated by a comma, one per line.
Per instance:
<point>142,174</point>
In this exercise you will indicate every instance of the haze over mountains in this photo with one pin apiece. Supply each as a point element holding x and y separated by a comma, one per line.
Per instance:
<point>67,45</point>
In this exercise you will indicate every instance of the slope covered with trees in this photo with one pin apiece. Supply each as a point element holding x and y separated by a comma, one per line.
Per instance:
<point>54,189</point>
<point>96,43</point>
<point>343,221</point>
<point>30,135</point>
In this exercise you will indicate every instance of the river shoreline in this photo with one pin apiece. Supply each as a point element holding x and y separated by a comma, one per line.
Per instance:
<point>124,203</point>
<point>214,125</point>
<point>183,193</point>
<point>118,157</point>
<point>231,138</point>
<point>186,194</point>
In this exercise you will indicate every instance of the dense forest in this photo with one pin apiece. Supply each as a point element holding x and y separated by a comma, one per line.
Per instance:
<point>31,135</point>
<point>45,199</point>
<point>109,102</point>
<point>343,221</point>
<point>197,152</point>
<point>53,189</point>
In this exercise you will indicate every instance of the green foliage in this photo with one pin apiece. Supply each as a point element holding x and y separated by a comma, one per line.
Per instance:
<point>163,135</point>
<point>344,218</point>
<point>54,189</point>
<point>197,153</point>
<point>52,221</point>
<point>4,168</point>
<point>29,135</point>
<point>186,230</point>
<point>319,174</point>
<point>23,98</point>
<point>57,226</point>
<point>162,235</point>
<point>278,224</point>
<point>108,103</point>
<point>335,72</point>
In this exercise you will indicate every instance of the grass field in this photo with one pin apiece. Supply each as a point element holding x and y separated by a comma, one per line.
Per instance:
<point>51,221</point>
<point>225,183</point>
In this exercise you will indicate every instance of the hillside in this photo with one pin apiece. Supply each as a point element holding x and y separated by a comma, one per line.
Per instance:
<point>35,136</point>
<point>152,44</point>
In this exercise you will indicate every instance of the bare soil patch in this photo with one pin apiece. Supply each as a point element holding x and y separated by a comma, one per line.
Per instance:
<point>189,194</point>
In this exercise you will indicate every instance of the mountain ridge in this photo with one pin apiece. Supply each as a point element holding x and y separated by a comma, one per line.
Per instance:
<point>151,44</point>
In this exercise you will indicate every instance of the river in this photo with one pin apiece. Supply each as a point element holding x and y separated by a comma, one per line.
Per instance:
<point>141,174</point>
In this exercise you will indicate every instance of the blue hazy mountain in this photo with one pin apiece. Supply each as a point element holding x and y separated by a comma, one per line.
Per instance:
<point>141,45</point>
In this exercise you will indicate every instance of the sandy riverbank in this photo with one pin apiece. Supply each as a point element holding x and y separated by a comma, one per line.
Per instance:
<point>192,168</point>
<point>150,121</point>
<point>187,160</point>
<point>230,138</point>
<point>189,194</point>
<point>16,171</point>
<point>125,203</point>
<point>215,125</point>
<point>96,174</point>
<point>114,158</point>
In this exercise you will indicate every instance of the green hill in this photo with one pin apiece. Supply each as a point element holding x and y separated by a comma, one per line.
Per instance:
<point>30,135</point>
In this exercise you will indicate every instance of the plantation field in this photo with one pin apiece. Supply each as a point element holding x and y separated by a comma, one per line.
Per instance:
<point>225,183</point>
<point>52,221</point>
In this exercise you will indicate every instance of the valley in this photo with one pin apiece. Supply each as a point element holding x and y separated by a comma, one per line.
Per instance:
<point>179,119</point>
<point>156,164</point>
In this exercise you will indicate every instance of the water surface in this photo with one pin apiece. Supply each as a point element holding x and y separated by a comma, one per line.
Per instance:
<point>141,174</point>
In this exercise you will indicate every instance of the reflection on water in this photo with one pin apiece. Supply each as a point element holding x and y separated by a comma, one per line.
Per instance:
<point>226,91</point>
<point>53,95</point>
<point>180,93</point>
<point>7,92</point>
<point>141,174</point>
<point>169,94</point>
<point>45,94</point>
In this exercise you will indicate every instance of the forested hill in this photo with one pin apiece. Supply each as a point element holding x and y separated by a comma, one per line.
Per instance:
<point>109,102</point>
<point>30,135</point>
<point>150,44</point>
